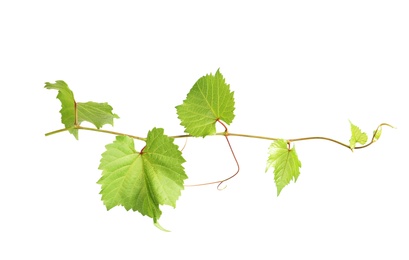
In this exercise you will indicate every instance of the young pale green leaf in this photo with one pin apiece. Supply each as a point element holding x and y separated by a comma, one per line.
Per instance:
<point>209,100</point>
<point>98,114</point>
<point>67,100</point>
<point>377,134</point>
<point>285,163</point>
<point>142,181</point>
<point>357,136</point>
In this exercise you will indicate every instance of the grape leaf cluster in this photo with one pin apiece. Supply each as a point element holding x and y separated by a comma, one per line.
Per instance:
<point>154,176</point>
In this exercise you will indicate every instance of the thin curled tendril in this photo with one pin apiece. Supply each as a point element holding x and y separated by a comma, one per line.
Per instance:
<point>219,183</point>
<point>184,145</point>
<point>237,163</point>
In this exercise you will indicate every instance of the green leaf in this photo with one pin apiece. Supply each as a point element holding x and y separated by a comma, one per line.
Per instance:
<point>142,181</point>
<point>67,111</point>
<point>285,162</point>
<point>98,114</point>
<point>357,136</point>
<point>377,134</point>
<point>209,100</point>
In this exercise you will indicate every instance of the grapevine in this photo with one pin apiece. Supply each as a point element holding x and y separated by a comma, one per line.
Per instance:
<point>144,180</point>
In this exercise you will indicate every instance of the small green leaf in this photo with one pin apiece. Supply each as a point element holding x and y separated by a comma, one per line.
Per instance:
<point>285,163</point>
<point>142,181</point>
<point>377,134</point>
<point>357,136</point>
<point>209,100</point>
<point>98,114</point>
<point>66,98</point>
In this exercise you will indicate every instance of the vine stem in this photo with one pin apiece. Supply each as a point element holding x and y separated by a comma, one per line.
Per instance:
<point>228,133</point>
<point>95,130</point>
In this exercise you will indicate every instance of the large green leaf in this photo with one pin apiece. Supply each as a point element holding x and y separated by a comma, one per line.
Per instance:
<point>142,181</point>
<point>209,100</point>
<point>285,163</point>
<point>67,100</point>
<point>357,136</point>
<point>73,112</point>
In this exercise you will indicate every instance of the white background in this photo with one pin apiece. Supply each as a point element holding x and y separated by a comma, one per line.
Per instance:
<point>298,68</point>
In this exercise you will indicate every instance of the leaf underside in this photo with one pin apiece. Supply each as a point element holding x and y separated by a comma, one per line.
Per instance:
<point>209,100</point>
<point>142,181</point>
<point>285,163</point>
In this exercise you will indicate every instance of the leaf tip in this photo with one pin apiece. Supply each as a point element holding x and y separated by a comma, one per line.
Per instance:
<point>156,223</point>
